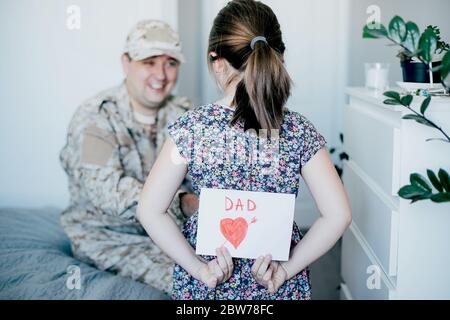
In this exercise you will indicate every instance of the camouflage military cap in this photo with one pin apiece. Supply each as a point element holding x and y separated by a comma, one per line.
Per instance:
<point>150,38</point>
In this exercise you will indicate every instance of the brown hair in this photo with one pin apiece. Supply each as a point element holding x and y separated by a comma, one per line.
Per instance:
<point>265,87</point>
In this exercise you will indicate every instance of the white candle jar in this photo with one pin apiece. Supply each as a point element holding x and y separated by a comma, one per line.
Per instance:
<point>377,76</point>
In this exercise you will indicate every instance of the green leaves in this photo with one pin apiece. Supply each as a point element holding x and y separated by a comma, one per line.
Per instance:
<point>406,100</point>
<point>342,156</point>
<point>427,45</point>
<point>443,186</point>
<point>420,181</point>
<point>418,119</point>
<point>445,66</point>
<point>397,29</point>
<point>412,37</point>
<point>391,102</point>
<point>444,179</point>
<point>420,189</point>
<point>425,105</point>
<point>374,33</point>
<point>412,192</point>
<point>394,100</point>
<point>441,45</point>
<point>392,94</point>
<point>434,180</point>
<point>441,197</point>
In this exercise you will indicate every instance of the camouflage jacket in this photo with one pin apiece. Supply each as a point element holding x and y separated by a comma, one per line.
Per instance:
<point>107,158</point>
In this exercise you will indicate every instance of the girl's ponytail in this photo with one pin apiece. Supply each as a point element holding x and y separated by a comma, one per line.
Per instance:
<point>264,89</point>
<point>247,34</point>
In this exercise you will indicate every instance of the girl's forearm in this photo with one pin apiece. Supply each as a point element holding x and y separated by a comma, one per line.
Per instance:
<point>321,237</point>
<point>168,237</point>
<point>158,192</point>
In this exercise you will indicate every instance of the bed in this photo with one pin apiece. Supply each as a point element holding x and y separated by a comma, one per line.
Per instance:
<point>36,263</point>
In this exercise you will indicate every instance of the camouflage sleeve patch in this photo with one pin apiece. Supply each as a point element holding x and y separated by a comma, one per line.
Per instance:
<point>182,102</point>
<point>97,147</point>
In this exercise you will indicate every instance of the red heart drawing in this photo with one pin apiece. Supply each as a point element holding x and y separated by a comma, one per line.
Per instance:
<point>234,230</point>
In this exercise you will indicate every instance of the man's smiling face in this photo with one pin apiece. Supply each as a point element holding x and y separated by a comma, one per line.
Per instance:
<point>151,80</point>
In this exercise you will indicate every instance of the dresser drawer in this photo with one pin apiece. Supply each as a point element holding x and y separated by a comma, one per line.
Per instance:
<point>375,216</point>
<point>363,278</point>
<point>372,140</point>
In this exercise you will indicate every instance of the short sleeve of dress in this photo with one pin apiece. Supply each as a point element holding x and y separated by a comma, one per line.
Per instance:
<point>311,141</point>
<point>181,133</point>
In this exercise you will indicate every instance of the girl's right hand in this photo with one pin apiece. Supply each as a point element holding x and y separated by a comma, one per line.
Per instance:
<point>270,274</point>
<point>217,271</point>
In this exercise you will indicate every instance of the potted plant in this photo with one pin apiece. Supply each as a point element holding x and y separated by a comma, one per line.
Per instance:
<point>426,47</point>
<point>414,70</point>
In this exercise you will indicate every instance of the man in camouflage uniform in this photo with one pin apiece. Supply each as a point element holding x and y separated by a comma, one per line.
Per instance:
<point>112,143</point>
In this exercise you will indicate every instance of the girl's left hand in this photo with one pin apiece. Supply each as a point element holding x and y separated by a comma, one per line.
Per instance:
<point>270,274</point>
<point>217,271</point>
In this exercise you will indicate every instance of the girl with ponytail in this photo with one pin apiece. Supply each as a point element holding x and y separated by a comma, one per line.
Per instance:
<point>246,55</point>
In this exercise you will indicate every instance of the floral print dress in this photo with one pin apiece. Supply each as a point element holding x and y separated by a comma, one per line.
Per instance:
<point>222,156</point>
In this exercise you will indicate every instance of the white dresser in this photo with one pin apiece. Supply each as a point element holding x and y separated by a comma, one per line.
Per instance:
<point>404,246</point>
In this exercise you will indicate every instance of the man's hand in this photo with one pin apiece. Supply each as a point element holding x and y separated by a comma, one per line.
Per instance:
<point>189,203</point>
<point>270,274</point>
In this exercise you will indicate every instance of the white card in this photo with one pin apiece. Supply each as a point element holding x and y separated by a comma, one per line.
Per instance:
<point>248,224</point>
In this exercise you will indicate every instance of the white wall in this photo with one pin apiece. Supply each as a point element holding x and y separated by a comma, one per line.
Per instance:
<point>424,13</point>
<point>190,22</point>
<point>210,8</point>
<point>47,70</point>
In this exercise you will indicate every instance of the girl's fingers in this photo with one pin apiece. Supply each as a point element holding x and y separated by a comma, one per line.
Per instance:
<point>216,270</point>
<point>264,265</point>
<point>275,266</point>
<point>268,275</point>
<point>270,287</point>
<point>219,273</point>
<point>256,266</point>
<point>228,259</point>
<point>208,277</point>
<point>277,285</point>
<point>222,261</point>
<point>212,282</point>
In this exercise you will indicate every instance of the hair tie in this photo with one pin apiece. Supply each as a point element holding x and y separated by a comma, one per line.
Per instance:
<point>257,39</point>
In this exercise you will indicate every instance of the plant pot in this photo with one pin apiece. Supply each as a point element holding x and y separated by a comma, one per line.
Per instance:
<point>418,72</point>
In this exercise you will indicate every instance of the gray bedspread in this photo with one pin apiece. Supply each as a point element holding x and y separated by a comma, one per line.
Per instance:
<point>35,256</point>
